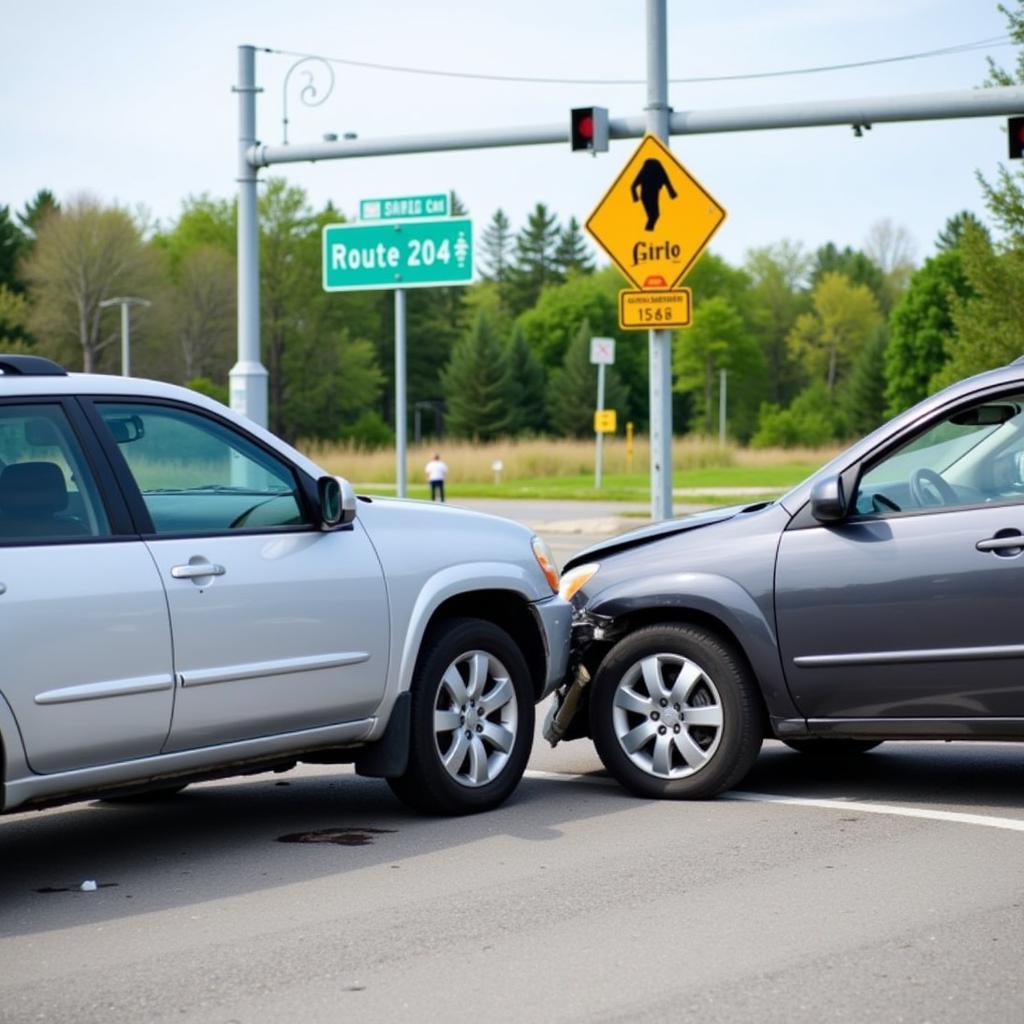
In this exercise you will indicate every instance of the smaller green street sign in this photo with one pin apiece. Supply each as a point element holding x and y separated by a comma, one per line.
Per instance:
<point>403,254</point>
<point>402,207</point>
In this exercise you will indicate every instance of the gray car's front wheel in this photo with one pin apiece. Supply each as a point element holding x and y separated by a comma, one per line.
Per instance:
<point>675,713</point>
<point>472,721</point>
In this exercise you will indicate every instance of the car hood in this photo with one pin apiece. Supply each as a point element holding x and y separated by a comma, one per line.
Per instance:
<point>656,531</point>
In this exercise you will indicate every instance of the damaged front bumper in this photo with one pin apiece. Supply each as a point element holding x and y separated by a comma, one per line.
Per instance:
<point>566,718</point>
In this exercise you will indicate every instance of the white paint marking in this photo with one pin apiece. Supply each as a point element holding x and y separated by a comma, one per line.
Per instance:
<point>841,803</point>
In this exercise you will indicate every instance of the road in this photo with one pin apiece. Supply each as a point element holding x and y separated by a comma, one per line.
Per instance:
<point>888,887</point>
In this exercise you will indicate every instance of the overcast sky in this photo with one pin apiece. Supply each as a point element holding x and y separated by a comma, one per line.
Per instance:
<point>133,102</point>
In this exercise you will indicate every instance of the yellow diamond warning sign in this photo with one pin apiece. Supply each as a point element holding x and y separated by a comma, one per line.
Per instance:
<point>656,218</point>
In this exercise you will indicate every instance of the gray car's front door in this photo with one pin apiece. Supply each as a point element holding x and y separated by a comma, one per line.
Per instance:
<point>914,607</point>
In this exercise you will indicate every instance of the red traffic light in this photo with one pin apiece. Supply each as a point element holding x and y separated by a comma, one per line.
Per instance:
<point>588,129</point>
<point>1015,135</point>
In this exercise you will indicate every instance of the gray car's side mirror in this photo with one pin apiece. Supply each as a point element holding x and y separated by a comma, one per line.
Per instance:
<point>828,500</point>
<point>337,501</point>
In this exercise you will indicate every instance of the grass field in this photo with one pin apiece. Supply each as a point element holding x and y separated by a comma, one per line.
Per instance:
<point>564,469</point>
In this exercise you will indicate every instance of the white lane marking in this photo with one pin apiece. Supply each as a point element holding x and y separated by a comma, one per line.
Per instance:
<point>842,803</point>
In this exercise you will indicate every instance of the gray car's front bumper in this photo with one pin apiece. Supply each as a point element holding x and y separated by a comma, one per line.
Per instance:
<point>554,616</point>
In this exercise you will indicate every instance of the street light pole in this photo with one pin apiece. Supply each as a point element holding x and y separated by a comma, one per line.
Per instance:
<point>125,302</point>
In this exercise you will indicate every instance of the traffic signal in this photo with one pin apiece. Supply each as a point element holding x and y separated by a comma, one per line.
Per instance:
<point>589,129</point>
<point>1015,131</point>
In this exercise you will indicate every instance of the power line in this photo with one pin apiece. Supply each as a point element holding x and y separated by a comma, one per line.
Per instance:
<point>527,79</point>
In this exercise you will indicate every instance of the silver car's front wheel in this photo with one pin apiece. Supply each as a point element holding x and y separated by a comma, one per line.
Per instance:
<point>476,718</point>
<point>675,712</point>
<point>471,720</point>
<point>667,716</point>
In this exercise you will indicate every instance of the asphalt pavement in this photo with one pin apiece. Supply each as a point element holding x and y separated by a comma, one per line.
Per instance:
<point>884,887</point>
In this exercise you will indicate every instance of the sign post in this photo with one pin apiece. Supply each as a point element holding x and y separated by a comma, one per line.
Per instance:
<point>602,352</point>
<point>394,253</point>
<point>654,222</point>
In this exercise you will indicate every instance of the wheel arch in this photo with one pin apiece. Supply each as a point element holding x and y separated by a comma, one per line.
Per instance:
<point>506,609</point>
<point>715,603</point>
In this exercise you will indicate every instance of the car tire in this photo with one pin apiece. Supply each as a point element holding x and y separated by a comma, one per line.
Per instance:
<point>821,747</point>
<point>675,713</point>
<point>472,716</point>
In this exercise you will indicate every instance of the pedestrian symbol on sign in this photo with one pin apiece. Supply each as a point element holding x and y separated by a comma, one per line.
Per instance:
<point>649,182</point>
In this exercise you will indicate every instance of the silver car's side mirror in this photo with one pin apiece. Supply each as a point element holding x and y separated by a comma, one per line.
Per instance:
<point>828,500</point>
<point>337,501</point>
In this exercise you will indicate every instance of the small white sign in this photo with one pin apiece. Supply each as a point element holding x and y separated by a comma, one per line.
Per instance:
<point>602,350</point>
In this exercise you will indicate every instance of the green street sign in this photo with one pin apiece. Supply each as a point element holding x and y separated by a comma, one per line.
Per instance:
<point>404,207</point>
<point>402,254</point>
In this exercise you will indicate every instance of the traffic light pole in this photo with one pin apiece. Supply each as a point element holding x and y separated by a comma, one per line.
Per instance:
<point>249,377</point>
<point>659,344</point>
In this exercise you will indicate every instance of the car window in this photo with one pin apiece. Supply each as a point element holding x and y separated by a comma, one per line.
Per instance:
<point>972,456</point>
<point>198,476</point>
<point>46,489</point>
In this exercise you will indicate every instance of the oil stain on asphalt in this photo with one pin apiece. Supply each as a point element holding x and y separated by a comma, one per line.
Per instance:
<point>336,836</point>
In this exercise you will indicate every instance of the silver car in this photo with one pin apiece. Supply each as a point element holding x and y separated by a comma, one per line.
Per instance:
<point>183,595</point>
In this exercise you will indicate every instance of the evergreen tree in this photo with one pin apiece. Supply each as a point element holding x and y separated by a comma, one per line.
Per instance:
<point>533,259</point>
<point>525,386</point>
<point>475,386</point>
<point>12,248</point>
<point>572,255</point>
<point>952,234</point>
<point>496,248</point>
<point>37,209</point>
<point>921,329</point>
<point>862,400</point>
<point>572,391</point>
<point>852,264</point>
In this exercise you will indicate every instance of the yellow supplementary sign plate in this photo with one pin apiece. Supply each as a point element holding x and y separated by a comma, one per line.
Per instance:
<point>604,421</point>
<point>652,310</point>
<point>656,218</point>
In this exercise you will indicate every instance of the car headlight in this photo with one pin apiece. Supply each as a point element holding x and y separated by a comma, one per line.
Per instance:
<point>576,578</point>
<point>546,561</point>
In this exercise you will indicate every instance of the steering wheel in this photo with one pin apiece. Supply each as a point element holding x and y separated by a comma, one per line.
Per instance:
<point>926,486</point>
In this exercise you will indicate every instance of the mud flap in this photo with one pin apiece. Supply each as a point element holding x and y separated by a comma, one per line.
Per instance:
<point>388,757</point>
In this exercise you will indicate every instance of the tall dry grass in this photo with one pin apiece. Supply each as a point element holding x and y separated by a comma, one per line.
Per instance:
<point>547,457</point>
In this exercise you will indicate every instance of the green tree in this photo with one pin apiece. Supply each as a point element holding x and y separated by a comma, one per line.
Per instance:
<point>921,328</point>
<point>810,420</point>
<point>862,398</point>
<point>525,387</point>
<point>37,209</point>
<point>828,340</point>
<point>777,274</point>
<point>14,336</point>
<point>719,340</point>
<point>12,247</point>
<point>476,386</point>
<point>852,264</point>
<point>952,234</point>
<point>496,248</point>
<point>86,253</point>
<point>572,390</point>
<point>890,247</point>
<point>533,264</point>
<point>572,254</point>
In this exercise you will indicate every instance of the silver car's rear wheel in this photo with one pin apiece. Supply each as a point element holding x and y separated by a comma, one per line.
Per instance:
<point>667,716</point>
<point>476,718</point>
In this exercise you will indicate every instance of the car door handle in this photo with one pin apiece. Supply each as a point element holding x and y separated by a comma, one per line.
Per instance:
<point>1004,543</point>
<point>191,572</point>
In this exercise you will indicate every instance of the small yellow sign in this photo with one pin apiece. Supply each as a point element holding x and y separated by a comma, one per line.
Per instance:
<point>656,218</point>
<point>653,310</point>
<point>604,421</point>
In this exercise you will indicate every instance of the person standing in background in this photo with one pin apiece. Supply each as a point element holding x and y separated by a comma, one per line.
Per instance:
<point>436,473</point>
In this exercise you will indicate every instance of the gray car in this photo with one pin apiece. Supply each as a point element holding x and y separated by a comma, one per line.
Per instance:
<point>882,598</point>
<point>184,596</point>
